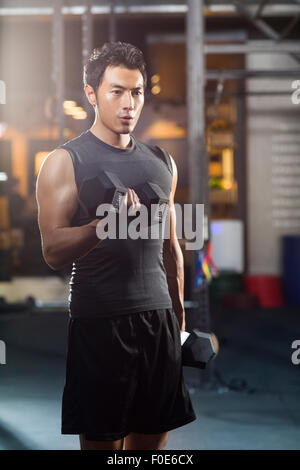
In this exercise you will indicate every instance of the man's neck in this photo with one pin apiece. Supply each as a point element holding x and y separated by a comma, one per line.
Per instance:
<point>121,141</point>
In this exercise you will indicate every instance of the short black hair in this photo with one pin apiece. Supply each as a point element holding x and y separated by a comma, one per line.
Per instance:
<point>112,54</point>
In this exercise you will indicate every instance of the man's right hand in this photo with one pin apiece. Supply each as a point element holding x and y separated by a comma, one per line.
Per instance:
<point>132,201</point>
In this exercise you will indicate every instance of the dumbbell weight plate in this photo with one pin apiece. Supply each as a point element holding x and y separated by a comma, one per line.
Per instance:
<point>197,349</point>
<point>151,194</point>
<point>103,189</point>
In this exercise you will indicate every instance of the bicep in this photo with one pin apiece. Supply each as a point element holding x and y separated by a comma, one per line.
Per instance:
<point>56,193</point>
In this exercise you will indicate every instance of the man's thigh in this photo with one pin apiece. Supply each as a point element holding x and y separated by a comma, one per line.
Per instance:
<point>137,441</point>
<point>100,445</point>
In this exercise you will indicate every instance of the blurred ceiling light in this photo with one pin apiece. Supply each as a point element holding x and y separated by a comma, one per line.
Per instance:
<point>95,9</point>
<point>221,8</point>
<point>225,7</point>
<point>155,78</point>
<point>77,109</point>
<point>74,110</point>
<point>25,11</point>
<point>81,115</point>
<point>69,104</point>
<point>3,176</point>
<point>155,90</point>
<point>162,129</point>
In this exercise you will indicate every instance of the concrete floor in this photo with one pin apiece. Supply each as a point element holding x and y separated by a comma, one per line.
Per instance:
<point>251,401</point>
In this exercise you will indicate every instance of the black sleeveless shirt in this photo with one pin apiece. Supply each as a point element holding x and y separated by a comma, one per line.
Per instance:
<point>118,276</point>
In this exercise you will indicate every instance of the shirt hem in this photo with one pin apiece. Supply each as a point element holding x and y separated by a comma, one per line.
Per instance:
<point>127,311</point>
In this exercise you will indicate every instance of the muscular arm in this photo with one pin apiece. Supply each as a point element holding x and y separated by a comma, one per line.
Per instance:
<point>57,200</point>
<point>173,259</point>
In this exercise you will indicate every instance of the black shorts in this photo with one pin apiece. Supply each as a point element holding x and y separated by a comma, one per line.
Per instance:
<point>123,375</point>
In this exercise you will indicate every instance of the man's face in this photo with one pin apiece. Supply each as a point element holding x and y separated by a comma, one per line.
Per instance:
<point>121,94</point>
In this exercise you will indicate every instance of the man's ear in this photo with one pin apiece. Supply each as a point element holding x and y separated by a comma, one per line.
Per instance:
<point>90,94</point>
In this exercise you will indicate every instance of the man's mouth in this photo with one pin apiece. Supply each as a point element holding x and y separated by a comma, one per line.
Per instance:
<point>126,118</point>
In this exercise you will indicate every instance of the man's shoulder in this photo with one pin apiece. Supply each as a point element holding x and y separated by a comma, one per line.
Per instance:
<point>158,151</point>
<point>75,141</point>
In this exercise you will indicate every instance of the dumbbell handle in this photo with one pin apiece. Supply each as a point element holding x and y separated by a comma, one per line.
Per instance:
<point>184,336</point>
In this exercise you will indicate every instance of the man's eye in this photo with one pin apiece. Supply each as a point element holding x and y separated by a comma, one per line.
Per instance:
<point>116,91</point>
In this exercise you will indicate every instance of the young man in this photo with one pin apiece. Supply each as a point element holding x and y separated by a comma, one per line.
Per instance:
<point>124,384</point>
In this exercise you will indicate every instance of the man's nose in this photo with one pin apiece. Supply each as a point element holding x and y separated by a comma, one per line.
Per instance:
<point>128,100</point>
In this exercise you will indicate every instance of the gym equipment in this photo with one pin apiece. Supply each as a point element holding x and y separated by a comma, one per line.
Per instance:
<point>205,265</point>
<point>12,307</point>
<point>151,194</point>
<point>198,348</point>
<point>110,190</point>
<point>30,304</point>
<point>106,188</point>
<point>268,289</point>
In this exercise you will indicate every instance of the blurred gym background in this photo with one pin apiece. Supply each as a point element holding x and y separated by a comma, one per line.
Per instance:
<point>222,99</point>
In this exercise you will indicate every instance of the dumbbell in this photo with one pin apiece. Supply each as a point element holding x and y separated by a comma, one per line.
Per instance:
<point>198,348</point>
<point>104,189</point>
<point>150,194</point>
<point>108,189</point>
